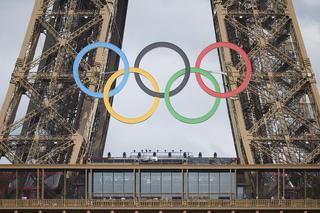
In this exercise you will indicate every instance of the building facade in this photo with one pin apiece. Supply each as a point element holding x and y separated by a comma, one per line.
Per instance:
<point>169,185</point>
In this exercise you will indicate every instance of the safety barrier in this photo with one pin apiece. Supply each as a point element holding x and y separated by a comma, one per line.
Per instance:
<point>157,204</point>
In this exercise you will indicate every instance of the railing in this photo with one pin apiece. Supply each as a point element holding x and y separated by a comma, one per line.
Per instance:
<point>163,160</point>
<point>159,204</point>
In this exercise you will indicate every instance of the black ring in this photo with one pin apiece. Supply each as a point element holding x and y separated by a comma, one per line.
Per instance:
<point>176,49</point>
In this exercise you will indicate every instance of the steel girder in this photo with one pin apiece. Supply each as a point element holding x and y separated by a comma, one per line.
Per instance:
<point>61,124</point>
<point>276,119</point>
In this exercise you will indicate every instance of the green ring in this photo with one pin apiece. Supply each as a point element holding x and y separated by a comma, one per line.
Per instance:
<point>185,119</point>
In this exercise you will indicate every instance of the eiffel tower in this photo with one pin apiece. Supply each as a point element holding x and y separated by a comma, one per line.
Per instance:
<point>275,120</point>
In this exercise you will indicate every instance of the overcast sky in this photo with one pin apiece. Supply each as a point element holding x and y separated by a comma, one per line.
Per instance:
<point>186,23</point>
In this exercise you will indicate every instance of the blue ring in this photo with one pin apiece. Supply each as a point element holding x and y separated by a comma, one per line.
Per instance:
<point>86,49</point>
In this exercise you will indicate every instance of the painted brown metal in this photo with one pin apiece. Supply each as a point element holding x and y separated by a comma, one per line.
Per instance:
<point>137,203</point>
<point>176,206</point>
<point>276,119</point>
<point>61,125</point>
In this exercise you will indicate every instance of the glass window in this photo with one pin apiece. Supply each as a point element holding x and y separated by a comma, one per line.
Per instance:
<point>268,182</point>
<point>8,184</point>
<point>118,182</point>
<point>155,182</point>
<point>233,184</point>
<point>128,182</point>
<point>145,182</point>
<point>138,184</point>
<point>225,182</point>
<point>240,192</point>
<point>185,184</point>
<point>53,183</point>
<point>193,182</point>
<point>176,182</point>
<point>203,182</point>
<point>166,182</point>
<point>312,190</point>
<point>294,184</point>
<point>214,182</point>
<point>108,182</point>
<point>97,182</point>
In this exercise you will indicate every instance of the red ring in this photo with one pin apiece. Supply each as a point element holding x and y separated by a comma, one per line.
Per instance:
<point>247,76</point>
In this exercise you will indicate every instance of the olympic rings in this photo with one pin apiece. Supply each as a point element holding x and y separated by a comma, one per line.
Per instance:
<point>87,49</point>
<point>170,46</point>
<point>167,93</point>
<point>247,76</point>
<point>120,117</point>
<point>192,120</point>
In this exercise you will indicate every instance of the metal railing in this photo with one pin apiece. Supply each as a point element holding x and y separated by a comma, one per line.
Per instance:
<point>158,204</point>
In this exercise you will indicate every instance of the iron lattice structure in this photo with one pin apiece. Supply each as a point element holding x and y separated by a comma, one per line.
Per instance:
<point>275,120</point>
<point>61,124</point>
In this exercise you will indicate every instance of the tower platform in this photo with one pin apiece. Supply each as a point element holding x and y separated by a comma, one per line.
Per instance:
<point>131,185</point>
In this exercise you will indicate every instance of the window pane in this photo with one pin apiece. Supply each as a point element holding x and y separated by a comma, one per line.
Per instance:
<point>214,182</point>
<point>97,183</point>
<point>166,182</point>
<point>203,182</point>
<point>155,182</point>
<point>185,184</point>
<point>193,182</point>
<point>145,182</point>
<point>224,182</point>
<point>7,184</point>
<point>138,184</point>
<point>118,182</point>
<point>176,182</point>
<point>233,185</point>
<point>313,191</point>
<point>240,192</point>
<point>128,182</point>
<point>108,182</point>
<point>294,183</point>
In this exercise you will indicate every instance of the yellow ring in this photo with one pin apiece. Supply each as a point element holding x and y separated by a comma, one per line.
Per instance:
<point>121,118</point>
